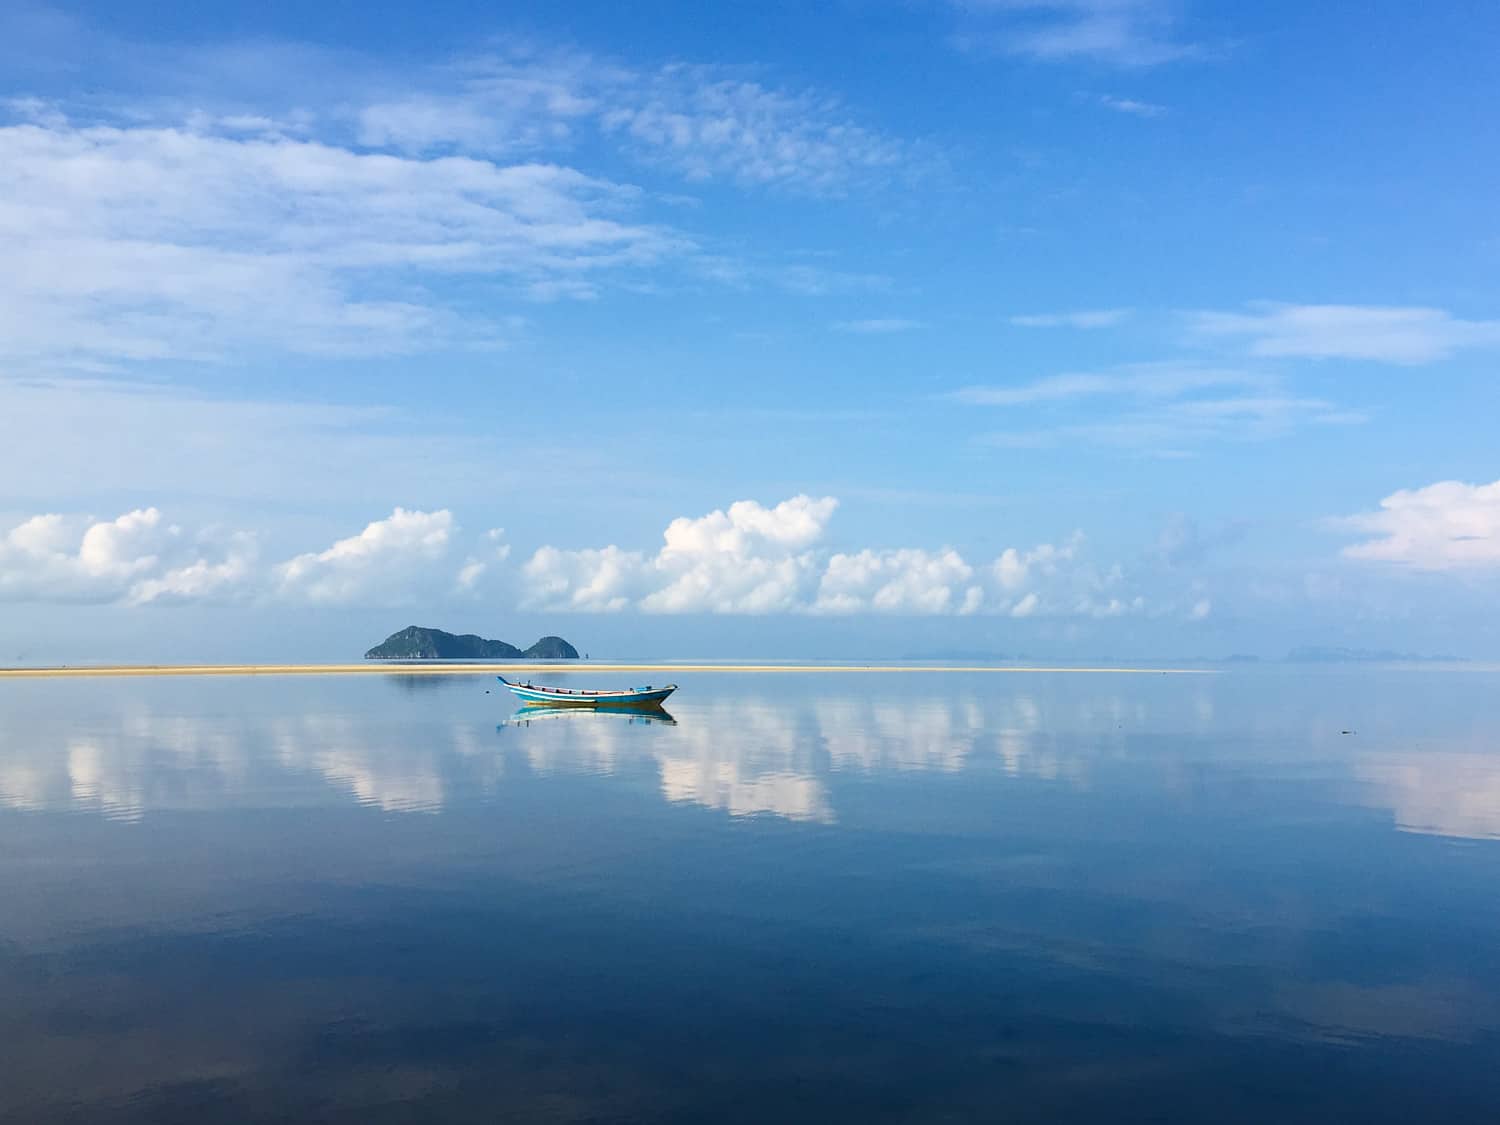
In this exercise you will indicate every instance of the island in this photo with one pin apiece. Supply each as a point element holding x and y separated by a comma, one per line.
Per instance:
<point>418,643</point>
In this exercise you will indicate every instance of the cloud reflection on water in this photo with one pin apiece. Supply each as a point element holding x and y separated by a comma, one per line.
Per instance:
<point>744,752</point>
<point>1436,793</point>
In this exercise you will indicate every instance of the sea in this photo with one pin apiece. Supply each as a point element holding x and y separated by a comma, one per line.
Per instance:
<point>1255,894</point>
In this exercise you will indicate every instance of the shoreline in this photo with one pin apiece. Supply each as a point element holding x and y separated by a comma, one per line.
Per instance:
<point>380,668</point>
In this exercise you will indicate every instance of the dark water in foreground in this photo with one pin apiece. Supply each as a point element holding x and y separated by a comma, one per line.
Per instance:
<point>1018,898</point>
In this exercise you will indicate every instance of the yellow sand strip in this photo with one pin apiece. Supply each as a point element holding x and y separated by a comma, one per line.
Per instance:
<point>380,668</point>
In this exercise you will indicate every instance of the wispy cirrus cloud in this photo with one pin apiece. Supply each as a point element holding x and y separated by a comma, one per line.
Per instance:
<point>1149,381</point>
<point>1124,33</point>
<point>517,99</point>
<point>1082,318</point>
<point>701,122</point>
<point>878,326</point>
<point>698,121</point>
<point>209,221</point>
<point>1166,409</point>
<point>129,243</point>
<point>1133,107</point>
<point>1176,429</point>
<point>1383,333</point>
<point>706,124</point>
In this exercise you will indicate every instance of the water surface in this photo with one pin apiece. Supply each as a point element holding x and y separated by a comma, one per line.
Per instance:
<point>806,897</point>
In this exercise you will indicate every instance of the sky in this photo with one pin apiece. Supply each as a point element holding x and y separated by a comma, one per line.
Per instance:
<point>1076,329</point>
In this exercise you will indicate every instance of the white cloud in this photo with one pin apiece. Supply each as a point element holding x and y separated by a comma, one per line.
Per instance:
<point>590,581</point>
<point>1387,334</point>
<point>1437,792</point>
<point>204,579</point>
<point>1027,606</point>
<point>1143,380</point>
<point>748,558</point>
<point>165,227</point>
<point>753,559</point>
<point>1129,33</point>
<point>1132,106</point>
<point>1449,525</point>
<point>702,122</point>
<point>139,243</point>
<point>1171,408</point>
<point>470,573</point>
<point>898,581</point>
<point>708,125</point>
<point>501,102</point>
<point>1014,569</point>
<point>476,566</point>
<point>382,564</point>
<point>137,557</point>
<point>1083,318</point>
<point>876,327</point>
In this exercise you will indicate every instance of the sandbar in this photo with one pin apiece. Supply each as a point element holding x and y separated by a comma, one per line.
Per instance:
<point>386,668</point>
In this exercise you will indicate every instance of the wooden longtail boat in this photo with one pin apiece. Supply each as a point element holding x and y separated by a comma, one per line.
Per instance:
<point>647,696</point>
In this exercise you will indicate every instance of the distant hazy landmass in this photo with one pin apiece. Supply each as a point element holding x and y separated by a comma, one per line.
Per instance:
<point>972,656</point>
<point>416,643</point>
<point>1317,654</point>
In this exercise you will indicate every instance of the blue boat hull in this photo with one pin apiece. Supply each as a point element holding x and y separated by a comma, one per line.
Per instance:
<point>573,697</point>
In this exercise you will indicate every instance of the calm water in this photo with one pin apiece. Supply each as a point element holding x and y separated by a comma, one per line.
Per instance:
<point>1017,898</point>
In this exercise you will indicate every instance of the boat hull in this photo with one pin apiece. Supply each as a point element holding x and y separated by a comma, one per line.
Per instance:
<point>566,697</point>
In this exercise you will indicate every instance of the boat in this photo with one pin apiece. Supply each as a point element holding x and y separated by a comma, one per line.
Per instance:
<point>647,696</point>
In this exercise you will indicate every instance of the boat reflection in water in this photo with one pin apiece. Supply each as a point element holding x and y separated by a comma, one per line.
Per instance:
<point>631,713</point>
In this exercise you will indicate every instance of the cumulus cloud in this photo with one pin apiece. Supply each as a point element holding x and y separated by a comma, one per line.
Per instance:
<point>1015,569</point>
<point>494,551</point>
<point>378,564</point>
<point>135,558</point>
<point>230,575</point>
<point>140,557</point>
<point>1387,334</point>
<point>1449,525</point>
<point>898,581</point>
<point>747,558</point>
<point>49,556</point>
<point>603,580</point>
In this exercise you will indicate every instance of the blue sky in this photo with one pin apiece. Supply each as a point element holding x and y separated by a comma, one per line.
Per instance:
<point>1057,327</point>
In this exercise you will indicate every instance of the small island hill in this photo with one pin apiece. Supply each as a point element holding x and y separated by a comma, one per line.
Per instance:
<point>418,643</point>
